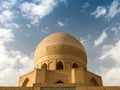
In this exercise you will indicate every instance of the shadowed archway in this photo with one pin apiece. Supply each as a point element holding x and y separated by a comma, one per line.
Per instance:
<point>59,65</point>
<point>44,66</point>
<point>75,65</point>
<point>25,82</point>
<point>59,82</point>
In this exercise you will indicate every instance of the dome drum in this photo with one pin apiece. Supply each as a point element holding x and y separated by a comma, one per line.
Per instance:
<point>55,64</point>
<point>54,58</point>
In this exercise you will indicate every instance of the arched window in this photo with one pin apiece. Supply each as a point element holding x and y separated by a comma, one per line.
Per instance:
<point>93,82</point>
<point>59,65</point>
<point>25,82</point>
<point>59,82</point>
<point>75,65</point>
<point>44,66</point>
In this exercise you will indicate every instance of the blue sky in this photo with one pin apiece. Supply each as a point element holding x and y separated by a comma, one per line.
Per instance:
<point>24,23</point>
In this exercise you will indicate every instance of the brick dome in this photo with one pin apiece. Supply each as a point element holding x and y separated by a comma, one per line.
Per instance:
<point>60,46</point>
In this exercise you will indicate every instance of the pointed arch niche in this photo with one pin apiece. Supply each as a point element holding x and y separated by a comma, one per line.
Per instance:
<point>75,65</point>
<point>59,65</point>
<point>25,82</point>
<point>44,66</point>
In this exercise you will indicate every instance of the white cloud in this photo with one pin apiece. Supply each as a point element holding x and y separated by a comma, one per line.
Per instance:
<point>6,16</point>
<point>113,52</point>
<point>113,9</point>
<point>7,4</point>
<point>100,11</point>
<point>110,55</point>
<point>11,61</point>
<point>86,5</point>
<point>112,77</point>
<point>38,9</point>
<point>100,39</point>
<point>36,12</point>
<point>5,35</point>
<point>6,19</point>
<point>12,25</point>
<point>108,12</point>
<point>60,23</point>
<point>83,40</point>
<point>45,30</point>
<point>7,74</point>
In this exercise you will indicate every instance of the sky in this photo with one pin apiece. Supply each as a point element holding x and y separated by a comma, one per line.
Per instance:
<point>24,23</point>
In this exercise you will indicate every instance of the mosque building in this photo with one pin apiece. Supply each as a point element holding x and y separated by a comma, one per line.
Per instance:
<point>60,63</point>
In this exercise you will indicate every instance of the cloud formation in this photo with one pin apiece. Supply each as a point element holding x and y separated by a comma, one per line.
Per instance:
<point>7,4</point>
<point>100,39</point>
<point>106,56</point>
<point>12,63</point>
<point>6,16</point>
<point>61,24</point>
<point>85,5</point>
<point>36,11</point>
<point>45,30</point>
<point>6,19</point>
<point>108,12</point>
<point>100,11</point>
<point>112,77</point>
<point>111,52</point>
<point>113,9</point>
